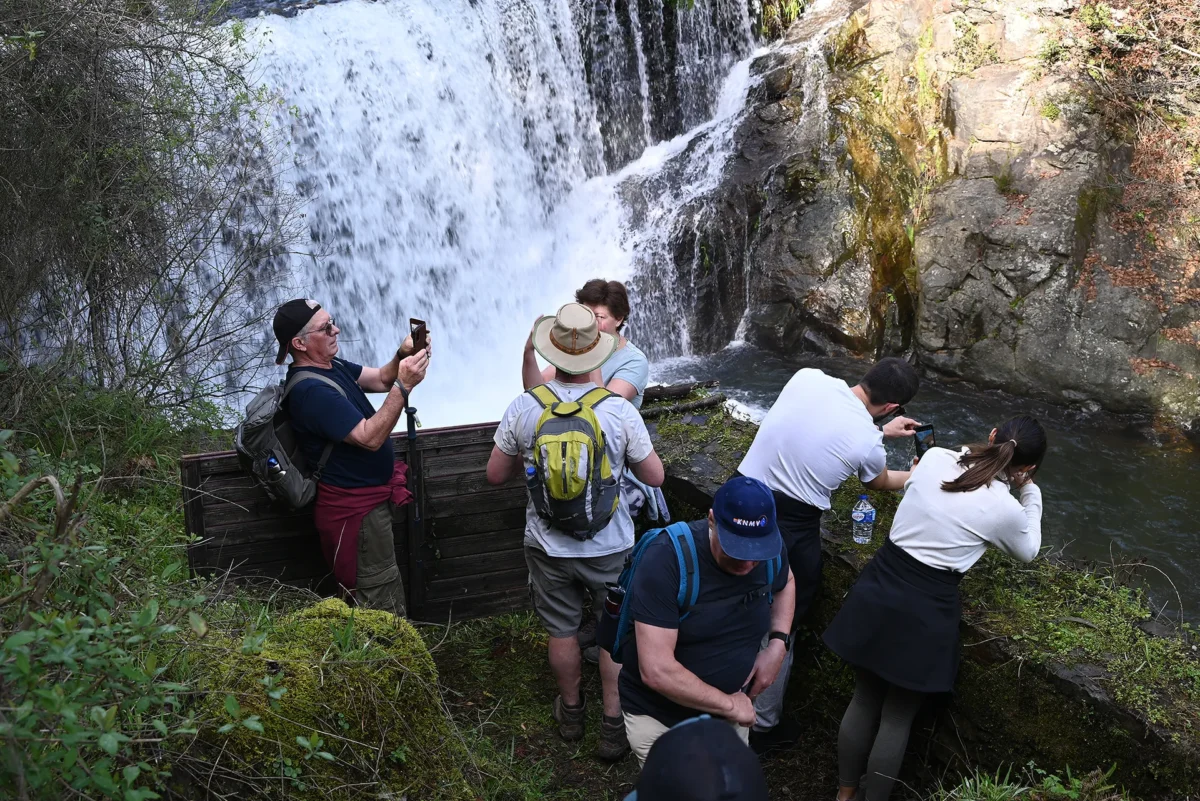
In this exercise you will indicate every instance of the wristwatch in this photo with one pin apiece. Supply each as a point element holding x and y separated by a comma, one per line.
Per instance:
<point>779,635</point>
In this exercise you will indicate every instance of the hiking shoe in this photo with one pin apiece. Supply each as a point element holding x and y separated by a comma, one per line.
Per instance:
<point>785,735</point>
<point>587,633</point>
<point>569,719</point>
<point>613,744</point>
<point>592,654</point>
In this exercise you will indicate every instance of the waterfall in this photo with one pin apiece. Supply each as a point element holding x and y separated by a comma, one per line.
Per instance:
<point>464,161</point>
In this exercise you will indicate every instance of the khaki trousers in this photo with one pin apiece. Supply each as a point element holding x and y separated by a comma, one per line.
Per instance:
<point>643,730</point>
<point>380,585</point>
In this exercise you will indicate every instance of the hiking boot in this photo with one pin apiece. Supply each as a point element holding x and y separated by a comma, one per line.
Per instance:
<point>613,744</point>
<point>785,735</point>
<point>587,632</point>
<point>569,719</point>
<point>592,654</point>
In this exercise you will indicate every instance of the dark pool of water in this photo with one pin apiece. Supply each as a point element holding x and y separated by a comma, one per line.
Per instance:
<point>1111,492</point>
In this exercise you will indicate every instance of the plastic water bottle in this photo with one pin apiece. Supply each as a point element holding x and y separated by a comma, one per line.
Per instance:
<point>863,517</point>
<point>531,481</point>
<point>274,468</point>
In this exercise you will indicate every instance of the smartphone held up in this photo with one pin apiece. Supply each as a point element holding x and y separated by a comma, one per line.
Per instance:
<point>923,439</point>
<point>420,334</point>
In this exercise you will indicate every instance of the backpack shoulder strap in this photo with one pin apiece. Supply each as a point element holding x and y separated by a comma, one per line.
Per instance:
<point>773,566</point>
<point>680,534</point>
<point>306,375</point>
<point>544,396</point>
<point>594,397</point>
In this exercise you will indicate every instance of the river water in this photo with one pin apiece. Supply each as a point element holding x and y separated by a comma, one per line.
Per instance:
<point>1111,493</point>
<point>472,162</point>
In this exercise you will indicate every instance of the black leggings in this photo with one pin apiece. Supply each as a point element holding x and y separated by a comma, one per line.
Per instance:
<point>874,735</point>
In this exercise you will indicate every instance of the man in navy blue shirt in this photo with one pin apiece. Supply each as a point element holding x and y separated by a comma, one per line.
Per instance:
<point>361,481</point>
<point>712,661</point>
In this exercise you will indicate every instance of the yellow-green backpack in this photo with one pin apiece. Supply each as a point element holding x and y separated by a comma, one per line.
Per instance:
<point>572,487</point>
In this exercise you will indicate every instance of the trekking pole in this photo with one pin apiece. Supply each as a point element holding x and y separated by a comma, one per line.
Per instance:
<point>410,412</point>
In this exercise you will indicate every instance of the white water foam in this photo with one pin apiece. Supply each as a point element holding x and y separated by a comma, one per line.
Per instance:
<point>445,151</point>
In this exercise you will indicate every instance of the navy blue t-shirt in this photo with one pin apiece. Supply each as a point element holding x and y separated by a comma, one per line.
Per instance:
<point>718,641</point>
<point>319,414</point>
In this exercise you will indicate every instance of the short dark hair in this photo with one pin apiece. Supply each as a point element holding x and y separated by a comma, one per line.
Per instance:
<point>891,380</point>
<point>610,294</point>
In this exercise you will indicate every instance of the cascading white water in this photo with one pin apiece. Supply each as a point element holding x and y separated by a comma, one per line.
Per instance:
<point>444,148</point>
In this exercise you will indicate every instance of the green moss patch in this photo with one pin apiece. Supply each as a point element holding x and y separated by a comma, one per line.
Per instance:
<point>332,703</point>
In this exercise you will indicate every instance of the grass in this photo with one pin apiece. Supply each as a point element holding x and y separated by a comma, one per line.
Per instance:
<point>498,687</point>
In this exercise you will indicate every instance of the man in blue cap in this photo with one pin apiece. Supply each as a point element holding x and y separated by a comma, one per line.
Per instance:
<point>710,660</point>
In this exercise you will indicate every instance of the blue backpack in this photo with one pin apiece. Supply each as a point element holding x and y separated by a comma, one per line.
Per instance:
<point>680,536</point>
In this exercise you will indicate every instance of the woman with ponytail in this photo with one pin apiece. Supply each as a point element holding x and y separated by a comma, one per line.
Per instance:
<point>898,627</point>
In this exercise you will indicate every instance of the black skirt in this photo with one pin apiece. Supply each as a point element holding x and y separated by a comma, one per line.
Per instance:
<point>900,622</point>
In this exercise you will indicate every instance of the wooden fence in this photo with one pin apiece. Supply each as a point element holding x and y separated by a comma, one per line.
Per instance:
<point>458,545</point>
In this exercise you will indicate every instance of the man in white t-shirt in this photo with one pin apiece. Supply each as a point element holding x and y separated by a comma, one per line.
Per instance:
<point>819,432</point>
<point>562,568</point>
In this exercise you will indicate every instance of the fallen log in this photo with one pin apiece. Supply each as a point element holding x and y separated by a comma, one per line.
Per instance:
<point>673,391</point>
<point>691,406</point>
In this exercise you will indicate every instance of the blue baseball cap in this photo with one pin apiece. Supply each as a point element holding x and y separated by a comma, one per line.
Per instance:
<point>745,512</point>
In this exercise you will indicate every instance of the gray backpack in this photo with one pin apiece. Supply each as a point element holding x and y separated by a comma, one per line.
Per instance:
<point>267,432</point>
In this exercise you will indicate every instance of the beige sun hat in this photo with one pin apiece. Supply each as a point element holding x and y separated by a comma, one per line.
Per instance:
<point>572,340</point>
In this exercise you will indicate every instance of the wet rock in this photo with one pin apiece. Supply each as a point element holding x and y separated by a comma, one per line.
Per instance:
<point>778,82</point>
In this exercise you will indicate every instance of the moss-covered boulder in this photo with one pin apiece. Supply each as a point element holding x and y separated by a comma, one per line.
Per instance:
<point>332,703</point>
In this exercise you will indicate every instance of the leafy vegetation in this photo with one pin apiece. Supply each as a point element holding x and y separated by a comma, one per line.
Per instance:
<point>1033,784</point>
<point>140,215</point>
<point>970,51</point>
<point>123,677</point>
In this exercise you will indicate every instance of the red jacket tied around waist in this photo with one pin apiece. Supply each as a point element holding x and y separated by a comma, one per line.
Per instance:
<point>339,514</point>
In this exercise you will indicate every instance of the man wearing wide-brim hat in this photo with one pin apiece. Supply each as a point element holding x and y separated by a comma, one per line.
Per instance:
<point>565,564</point>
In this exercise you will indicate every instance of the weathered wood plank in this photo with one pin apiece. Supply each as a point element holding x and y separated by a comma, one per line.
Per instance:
<point>476,564</point>
<point>452,609</point>
<point>465,525</point>
<point>465,484</point>
<point>486,543</point>
<point>260,512</point>
<point>493,501</point>
<point>478,583</point>
<point>457,462</point>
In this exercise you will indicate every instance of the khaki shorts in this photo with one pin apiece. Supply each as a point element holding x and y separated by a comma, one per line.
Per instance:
<point>643,730</point>
<point>557,586</point>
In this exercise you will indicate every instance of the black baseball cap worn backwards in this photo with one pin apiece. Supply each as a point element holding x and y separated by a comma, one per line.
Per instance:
<point>744,509</point>
<point>290,320</point>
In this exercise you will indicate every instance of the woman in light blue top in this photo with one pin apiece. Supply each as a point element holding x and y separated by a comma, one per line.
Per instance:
<point>628,370</point>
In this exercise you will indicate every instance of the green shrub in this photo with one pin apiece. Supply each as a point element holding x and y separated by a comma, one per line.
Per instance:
<point>85,703</point>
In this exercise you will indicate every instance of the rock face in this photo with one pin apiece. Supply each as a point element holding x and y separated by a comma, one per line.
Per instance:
<point>930,182</point>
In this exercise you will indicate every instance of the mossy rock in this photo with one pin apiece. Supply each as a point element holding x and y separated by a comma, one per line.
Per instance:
<point>361,680</point>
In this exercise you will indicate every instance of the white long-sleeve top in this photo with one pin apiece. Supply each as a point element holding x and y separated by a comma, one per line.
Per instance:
<point>951,530</point>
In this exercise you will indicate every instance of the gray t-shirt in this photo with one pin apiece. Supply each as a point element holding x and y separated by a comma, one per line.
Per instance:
<point>628,443</point>
<point>628,364</point>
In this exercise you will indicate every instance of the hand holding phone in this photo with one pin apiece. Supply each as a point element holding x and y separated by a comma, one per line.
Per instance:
<point>924,439</point>
<point>419,334</point>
